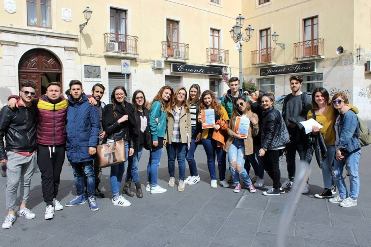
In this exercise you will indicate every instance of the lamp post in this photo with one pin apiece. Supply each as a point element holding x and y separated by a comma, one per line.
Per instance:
<point>239,37</point>
<point>87,15</point>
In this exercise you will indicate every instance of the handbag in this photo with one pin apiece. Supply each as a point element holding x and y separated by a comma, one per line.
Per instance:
<point>319,145</point>
<point>111,153</point>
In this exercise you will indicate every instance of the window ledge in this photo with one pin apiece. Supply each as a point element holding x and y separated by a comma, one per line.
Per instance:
<point>37,32</point>
<point>319,57</point>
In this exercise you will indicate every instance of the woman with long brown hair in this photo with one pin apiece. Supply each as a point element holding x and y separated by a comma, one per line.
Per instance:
<point>194,107</point>
<point>213,139</point>
<point>178,136</point>
<point>160,106</point>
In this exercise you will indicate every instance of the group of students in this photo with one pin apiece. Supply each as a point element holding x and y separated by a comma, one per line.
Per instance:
<point>40,131</point>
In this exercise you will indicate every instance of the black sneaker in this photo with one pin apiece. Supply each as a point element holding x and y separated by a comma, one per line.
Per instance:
<point>326,193</point>
<point>333,190</point>
<point>3,170</point>
<point>272,192</point>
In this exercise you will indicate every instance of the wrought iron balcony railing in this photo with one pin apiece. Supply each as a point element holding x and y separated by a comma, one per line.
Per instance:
<point>173,50</point>
<point>121,43</point>
<point>217,56</point>
<point>262,56</point>
<point>308,48</point>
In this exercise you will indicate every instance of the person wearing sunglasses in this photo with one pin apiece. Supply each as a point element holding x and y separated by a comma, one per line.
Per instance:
<point>19,151</point>
<point>239,145</point>
<point>348,151</point>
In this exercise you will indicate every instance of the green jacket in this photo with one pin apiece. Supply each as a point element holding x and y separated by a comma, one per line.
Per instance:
<point>227,101</point>
<point>157,121</point>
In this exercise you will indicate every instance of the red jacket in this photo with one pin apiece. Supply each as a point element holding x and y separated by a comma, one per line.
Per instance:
<point>51,128</point>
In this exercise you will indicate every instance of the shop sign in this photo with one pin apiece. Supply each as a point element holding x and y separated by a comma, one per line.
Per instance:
<point>288,69</point>
<point>195,69</point>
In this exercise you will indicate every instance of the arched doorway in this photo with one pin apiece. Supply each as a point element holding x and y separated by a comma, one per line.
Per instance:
<point>40,66</point>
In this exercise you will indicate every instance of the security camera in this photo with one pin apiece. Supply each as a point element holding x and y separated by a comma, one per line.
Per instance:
<point>339,50</point>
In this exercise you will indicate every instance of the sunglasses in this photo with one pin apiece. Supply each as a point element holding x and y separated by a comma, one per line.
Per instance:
<point>337,101</point>
<point>241,103</point>
<point>29,93</point>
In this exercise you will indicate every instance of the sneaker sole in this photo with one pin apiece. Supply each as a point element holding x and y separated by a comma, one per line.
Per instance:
<point>58,209</point>
<point>348,206</point>
<point>322,197</point>
<point>73,205</point>
<point>94,209</point>
<point>49,218</point>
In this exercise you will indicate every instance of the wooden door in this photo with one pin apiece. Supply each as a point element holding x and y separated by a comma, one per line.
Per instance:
<point>35,77</point>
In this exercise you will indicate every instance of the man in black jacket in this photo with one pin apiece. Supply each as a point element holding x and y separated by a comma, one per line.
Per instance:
<point>18,126</point>
<point>295,108</point>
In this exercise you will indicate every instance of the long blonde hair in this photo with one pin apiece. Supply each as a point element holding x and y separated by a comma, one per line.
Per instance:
<point>175,101</point>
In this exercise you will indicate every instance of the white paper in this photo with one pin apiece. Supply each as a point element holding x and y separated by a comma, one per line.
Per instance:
<point>309,124</point>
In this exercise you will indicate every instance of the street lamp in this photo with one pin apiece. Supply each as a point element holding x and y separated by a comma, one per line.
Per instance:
<point>87,15</point>
<point>239,37</point>
<point>275,39</point>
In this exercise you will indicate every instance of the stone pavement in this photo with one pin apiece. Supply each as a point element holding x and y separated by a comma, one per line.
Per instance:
<point>200,217</point>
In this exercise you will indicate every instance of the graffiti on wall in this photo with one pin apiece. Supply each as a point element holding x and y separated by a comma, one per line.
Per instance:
<point>365,92</point>
<point>335,90</point>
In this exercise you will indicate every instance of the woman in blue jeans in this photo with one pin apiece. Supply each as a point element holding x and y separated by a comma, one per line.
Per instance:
<point>141,115</point>
<point>178,136</point>
<point>213,137</point>
<point>240,143</point>
<point>194,106</point>
<point>118,122</point>
<point>160,106</point>
<point>348,151</point>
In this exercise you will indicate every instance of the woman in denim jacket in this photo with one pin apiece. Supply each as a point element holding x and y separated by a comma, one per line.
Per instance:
<point>157,123</point>
<point>348,151</point>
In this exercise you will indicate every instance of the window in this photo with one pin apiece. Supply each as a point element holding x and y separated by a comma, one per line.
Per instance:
<point>118,21</point>
<point>263,1</point>
<point>215,86</point>
<point>173,81</point>
<point>265,45</point>
<point>311,81</point>
<point>214,45</point>
<point>38,13</point>
<point>311,42</point>
<point>172,31</point>
<point>215,1</point>
<point>266,84</point>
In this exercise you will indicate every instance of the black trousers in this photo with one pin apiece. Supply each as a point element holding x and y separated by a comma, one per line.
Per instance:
<point>50,161</point>
<point>305,153</point>
<point>271,161</point>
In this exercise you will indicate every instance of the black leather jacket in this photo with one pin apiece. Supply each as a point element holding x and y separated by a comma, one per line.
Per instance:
<point>19,128</point>
<point>272,136</point>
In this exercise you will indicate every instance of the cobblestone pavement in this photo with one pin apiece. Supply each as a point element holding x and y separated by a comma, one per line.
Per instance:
<point>200,216</point>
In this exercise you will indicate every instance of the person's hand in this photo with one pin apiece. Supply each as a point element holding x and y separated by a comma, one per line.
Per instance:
<point>2,162</point>
<point>92,150</point>
<point>235,135</point>
<point>216,126</point>
<point>261,152</point>
<point>92,101</point>
<point>199,117</point>
<point>198,137</point>
<point>155,143</point>
<point>102,134</point>
<point>123,119</point>
<point>164,142</point>
<point>339,156</point>
<point>131,151</point>
<point>12,103</point>
<point>254,120</point>
<point>315,129</point>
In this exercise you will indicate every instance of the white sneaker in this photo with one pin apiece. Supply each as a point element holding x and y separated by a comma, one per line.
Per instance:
<point>172,182</point>
<point>8,222</point>
<point>259,183</point>
<point>214,184</point>
<point>25,212</point>
<point>157,190</point>
<point>120,201</point>
<point>148,187</point>
<point>348,202</point>
<point>186,181</point>
<point>181,186</point>
<point>49,212</point>
<point>306,189</point>
<point>224,183</point>
<point>335,199</point>
<point>194,180</point>
<point>57,205</point>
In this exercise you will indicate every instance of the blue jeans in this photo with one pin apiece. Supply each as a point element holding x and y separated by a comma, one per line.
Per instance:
<point>80,171</point>
<point>117,172</point>
<point>133,171</point>
<point>177,151</point>
<point>352,164</point>
<point>236,154</point>
<point>191,156</point>
<point>326,166</point>
<point>211,150</point>
<point>153,164</point>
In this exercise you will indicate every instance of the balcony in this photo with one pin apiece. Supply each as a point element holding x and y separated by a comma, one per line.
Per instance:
<point>262,56</point>
<point>217,56</point>
<point>309,49</point>
<point>173,51</point>
<point>120,45</point>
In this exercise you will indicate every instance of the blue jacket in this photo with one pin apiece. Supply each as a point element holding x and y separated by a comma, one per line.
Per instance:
<point>347,132</point>
<point>82,129</point>
<point>157,121</point>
